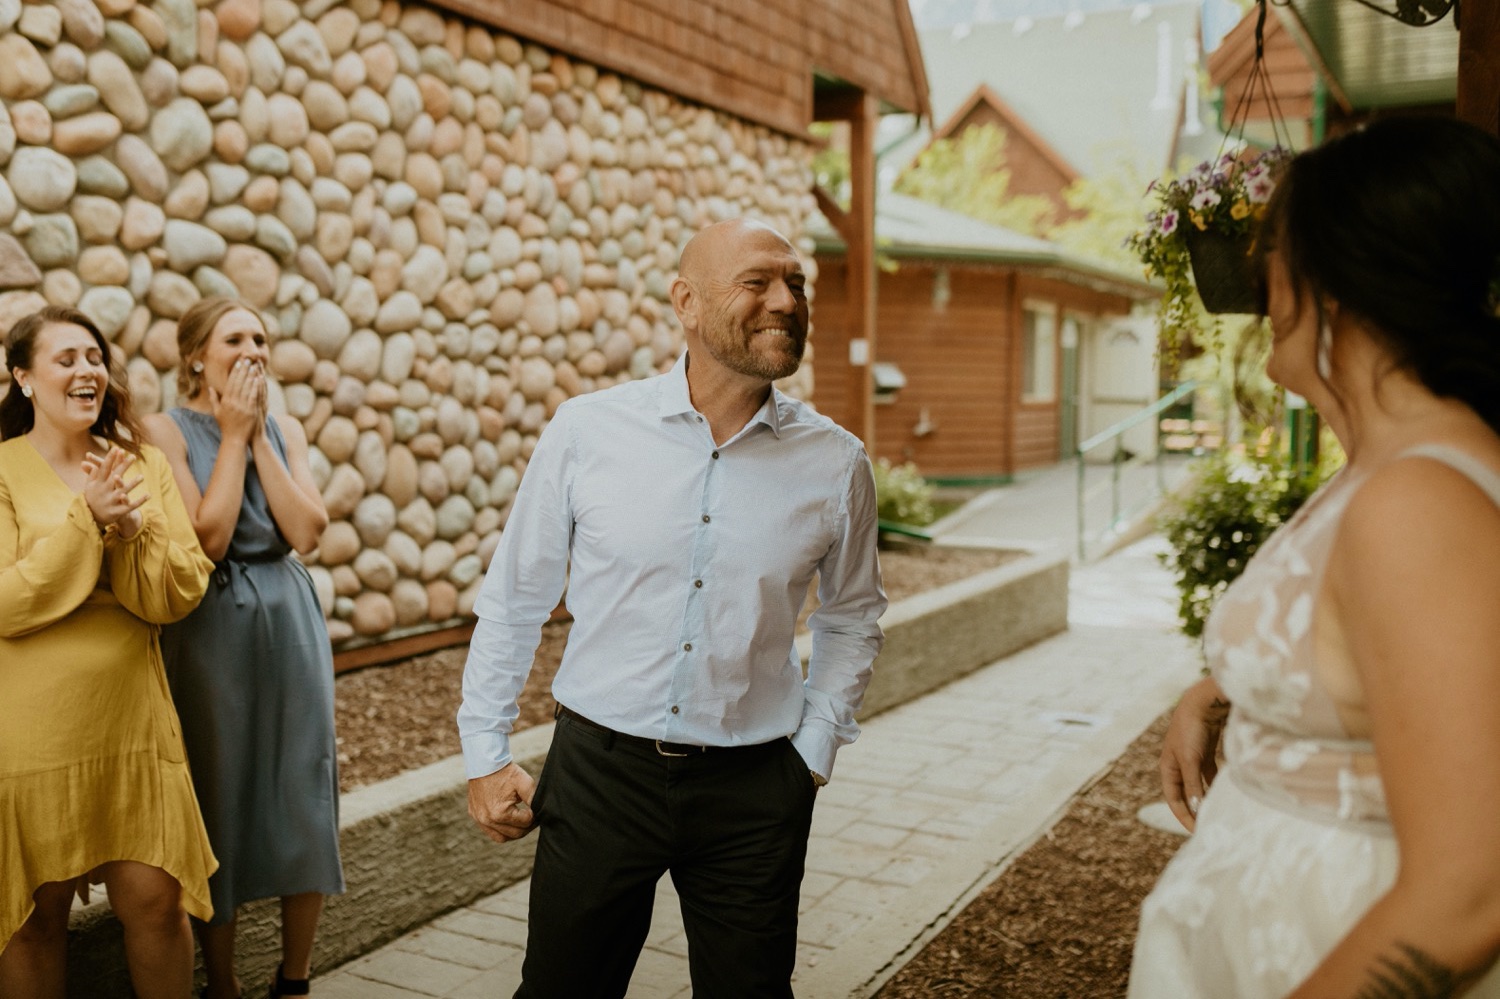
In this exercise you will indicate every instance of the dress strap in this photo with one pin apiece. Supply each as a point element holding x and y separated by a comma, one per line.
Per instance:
<point>1486,478</point>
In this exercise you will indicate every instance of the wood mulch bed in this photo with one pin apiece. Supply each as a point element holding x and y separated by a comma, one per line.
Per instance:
<point>398,717</point>
<point>1060,922</point>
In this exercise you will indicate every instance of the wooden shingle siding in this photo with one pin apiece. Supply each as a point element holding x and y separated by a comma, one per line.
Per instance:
<point>962,362</point>
<point>754,62</point>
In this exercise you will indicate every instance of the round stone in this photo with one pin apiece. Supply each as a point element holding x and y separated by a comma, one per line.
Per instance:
<point>416,518</point>
<point>293,360</point>
<point>23,71</point>
<point>400,482</point>
<point>238,19</point>
<point>360,356</point>
<point>409,598</point>
<point>424,274</point>
<point>455,515</point>
<point>181,134</point>
<point>374,614</point>
<point>303,46</point>
<point>326,328</point>
<point>442,599</point>
<point>339,544</point>
<point>43,180</point>
<point>375,519</point>
<point>170,294</point>
<point>401,312</point>
<point>204,84</point>
<point>160,345</point>
<point>189,199</point>
<point>369,458</point>
<point>190,245</point>
<point>345,486</point>
<point>254,272</point>
<point>437,558</point>
<point>142,167</point>
<point>104,265</point>
<point>87,133</point>
<point>52,241</point>
<point>288,126</point>
<point>108,307</point>
<point>337,440</point>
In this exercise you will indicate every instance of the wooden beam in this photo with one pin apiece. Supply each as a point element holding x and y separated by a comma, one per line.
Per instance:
<point>836,216</point>
<point>381,653</point>
<point>1478,100</point>
<point>861,255</point>
<point>839,103</point>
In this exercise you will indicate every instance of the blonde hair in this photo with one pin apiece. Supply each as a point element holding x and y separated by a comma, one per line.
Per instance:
<point>193,332</point>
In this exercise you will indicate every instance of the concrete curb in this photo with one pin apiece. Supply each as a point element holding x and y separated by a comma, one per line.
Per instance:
<point>859,967</point>
<point>411,852</point>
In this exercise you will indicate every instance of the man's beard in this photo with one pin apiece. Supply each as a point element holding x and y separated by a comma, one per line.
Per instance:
<point>729,344</point>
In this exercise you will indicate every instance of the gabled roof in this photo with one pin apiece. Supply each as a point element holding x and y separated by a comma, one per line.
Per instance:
<point>1014,123</point>
<point>1366,59</point>
<point>1102,88</point>
<point>759,62</point>
<point>911,228</point>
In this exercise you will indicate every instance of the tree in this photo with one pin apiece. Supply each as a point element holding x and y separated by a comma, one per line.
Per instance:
<point>968,174</point>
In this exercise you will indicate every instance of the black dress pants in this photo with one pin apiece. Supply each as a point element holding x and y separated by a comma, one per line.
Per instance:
<point>731,826</point>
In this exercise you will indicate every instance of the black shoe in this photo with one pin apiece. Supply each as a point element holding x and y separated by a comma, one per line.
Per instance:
<point>288,986</point>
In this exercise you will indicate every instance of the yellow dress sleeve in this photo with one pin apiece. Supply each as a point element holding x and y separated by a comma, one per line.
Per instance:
<point>160,574</point>
<point>55,575</point>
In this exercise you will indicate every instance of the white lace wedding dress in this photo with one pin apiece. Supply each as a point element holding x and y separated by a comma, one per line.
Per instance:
<point>1293,843</point>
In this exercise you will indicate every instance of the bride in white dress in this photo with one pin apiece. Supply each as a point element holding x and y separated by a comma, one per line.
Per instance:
<point>1350,846</point>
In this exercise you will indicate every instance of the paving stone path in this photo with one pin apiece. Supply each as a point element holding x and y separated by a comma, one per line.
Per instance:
<point>923,811</point>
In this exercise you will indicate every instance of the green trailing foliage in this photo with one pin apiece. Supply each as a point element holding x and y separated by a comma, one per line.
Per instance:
<point>1236,504</point>
<point>903,496</point>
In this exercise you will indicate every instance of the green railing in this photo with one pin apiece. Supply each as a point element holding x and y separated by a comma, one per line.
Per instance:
<point>1116,434</point>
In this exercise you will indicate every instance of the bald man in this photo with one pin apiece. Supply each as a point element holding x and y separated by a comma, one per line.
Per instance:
<point>694,508</point>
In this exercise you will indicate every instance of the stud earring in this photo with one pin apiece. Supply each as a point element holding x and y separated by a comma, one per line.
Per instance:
<point>26,391</point>
<point>197,367</point>
<point>1325,351</point>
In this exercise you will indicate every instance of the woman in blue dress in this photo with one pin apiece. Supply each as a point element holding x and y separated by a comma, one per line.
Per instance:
<point>251,670</point>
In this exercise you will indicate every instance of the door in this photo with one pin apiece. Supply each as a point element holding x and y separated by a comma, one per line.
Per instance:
<point>1067,431</point>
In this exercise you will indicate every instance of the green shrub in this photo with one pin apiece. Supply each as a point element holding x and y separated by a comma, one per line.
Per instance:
<point>902,494</point>
<point>1237,502</point>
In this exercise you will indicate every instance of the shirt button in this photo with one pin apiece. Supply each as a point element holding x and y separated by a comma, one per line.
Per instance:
<point>705,518</point>
<point>698,583</point>
<point>716,456</point>
<point>674,709</point>
<point>687,646</point>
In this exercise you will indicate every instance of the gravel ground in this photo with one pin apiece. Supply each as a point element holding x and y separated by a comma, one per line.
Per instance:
<point>1060,922</point>
<point>398,717</point>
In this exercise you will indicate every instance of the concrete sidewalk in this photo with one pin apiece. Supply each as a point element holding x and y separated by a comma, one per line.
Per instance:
<point>1041,506</point>
<point>923,811</point>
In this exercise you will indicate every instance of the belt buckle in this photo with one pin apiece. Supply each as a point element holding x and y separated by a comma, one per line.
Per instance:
<point>662,752</point>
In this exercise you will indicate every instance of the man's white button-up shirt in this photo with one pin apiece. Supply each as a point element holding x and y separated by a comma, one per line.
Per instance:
<point>690,564</point>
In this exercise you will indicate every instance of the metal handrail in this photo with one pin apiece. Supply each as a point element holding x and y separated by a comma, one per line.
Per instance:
<point>1115,433</point>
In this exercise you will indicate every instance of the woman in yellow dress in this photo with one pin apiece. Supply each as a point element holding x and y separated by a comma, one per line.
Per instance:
<point>96,552</point>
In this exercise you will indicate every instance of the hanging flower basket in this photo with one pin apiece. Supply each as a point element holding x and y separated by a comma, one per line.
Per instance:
<point>1198,236</point>
<point>1222,271</point>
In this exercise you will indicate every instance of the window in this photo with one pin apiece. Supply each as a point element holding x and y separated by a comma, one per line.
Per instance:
<point>1038,353</point>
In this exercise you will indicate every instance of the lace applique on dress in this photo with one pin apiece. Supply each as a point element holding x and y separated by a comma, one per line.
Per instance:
<point>1285,742</point>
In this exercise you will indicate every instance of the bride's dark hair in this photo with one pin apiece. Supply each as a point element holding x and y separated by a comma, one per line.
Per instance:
<point>1399,222</point>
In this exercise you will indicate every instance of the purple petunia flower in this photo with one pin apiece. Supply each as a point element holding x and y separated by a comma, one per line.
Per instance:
<point>1168,224</point>
<point>1205,198</point>
<point>1258,189</point>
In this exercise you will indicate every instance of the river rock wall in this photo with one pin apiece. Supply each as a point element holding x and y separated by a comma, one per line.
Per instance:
<point>449,231</point>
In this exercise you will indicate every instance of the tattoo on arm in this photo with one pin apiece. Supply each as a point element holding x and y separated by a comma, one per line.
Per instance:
<point>1411,974</point>
<point>1217,713</point>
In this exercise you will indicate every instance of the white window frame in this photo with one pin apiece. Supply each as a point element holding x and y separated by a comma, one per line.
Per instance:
<point>1039,363</point>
